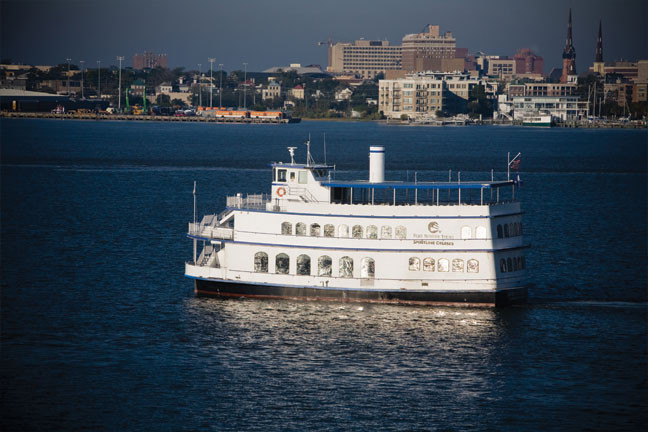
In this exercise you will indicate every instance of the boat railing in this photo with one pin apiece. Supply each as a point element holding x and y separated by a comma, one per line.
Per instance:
<point>253,201</point>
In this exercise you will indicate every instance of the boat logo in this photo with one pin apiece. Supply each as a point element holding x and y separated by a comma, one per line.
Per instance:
<point>433,227</point>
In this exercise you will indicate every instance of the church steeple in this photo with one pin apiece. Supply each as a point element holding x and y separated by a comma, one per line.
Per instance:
<point>569,54</point>
<point>599,45</point>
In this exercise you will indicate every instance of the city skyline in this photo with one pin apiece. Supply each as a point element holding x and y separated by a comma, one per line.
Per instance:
<point>284,32</point>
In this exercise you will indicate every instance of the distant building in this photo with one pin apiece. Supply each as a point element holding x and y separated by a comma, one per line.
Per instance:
<point>569,56</point>
<point>164,88</point>
<point>422,94</point>
<point>503,68</point>
<point>431,51</point>
<point>343,95</point>
<point>272,91</point>
<point>563,107</point>
<point>366,58</point>
<point>149,60</point>
<point>527,62</point>
<point>296,92</point>
<point>598,61</point>
<point>549,89</point>
<point>138,87</point>
<point>312,70</point>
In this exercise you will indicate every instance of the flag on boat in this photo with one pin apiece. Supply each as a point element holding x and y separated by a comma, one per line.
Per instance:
<point>515,164</point>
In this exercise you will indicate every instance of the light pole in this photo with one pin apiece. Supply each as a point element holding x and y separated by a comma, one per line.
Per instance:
<point>68,74</point>
<point>199,88</point>
<point>99,78</point>
<point>244,82</point>
<point>211,80</point>
<point>220,90</point>
<point>82,70</point>
<point>120,58</point>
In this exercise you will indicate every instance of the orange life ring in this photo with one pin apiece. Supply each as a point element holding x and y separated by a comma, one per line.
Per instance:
<point>281,192</point>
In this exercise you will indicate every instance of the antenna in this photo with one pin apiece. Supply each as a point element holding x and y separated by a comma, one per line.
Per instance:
<point>325,145</point>
<point>291,150</point>
<point>309,158</point>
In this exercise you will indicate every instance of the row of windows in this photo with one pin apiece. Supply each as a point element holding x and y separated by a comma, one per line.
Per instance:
<point>512,264</point>
<point>324,265</point>
<point>357,231</point>
<point>443,265</point>
<point>512,229</point>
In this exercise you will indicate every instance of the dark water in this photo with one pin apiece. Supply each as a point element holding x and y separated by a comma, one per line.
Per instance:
<point>100,330</point>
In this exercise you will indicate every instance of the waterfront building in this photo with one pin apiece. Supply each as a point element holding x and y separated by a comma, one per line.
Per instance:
<point>565,108</point>
<point>549,89</point>
<point>272,91</point>
<point>569,56</point>
<point>365,58</point>
<point>149,60</point>
<point>296,92</point>
<point>432,51</point>
<point>423,94</point>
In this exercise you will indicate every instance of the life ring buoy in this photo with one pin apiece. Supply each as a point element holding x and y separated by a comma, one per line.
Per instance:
<point>281,191</point>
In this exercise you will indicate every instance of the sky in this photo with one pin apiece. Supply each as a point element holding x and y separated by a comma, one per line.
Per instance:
<point>279,32</point>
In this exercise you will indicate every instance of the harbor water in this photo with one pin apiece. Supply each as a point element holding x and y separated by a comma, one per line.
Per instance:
<point>101,331</point>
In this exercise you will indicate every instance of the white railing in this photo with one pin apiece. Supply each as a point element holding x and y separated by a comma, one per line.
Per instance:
<point>254,201</point>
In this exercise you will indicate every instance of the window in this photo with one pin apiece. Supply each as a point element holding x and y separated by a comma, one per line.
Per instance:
<point>428,264</point>
<point>325,266</point>
<point>303,177</point>
<point>303,265</point>
<point>286,228</point>
<point>472,265</point>
<point>385,232</point>
<point>346,267</point>
<point>503,265</point>
<point>315,230</point>
<point>401,232</point>
<point>466,232</point>
<point>300,229</point>
<point>457,265</point>
<point>509,265</point>
<point>292,176</point>
<point>367,268</point>
<point>261,262</point>
<point>506,230</point>
<point>372,232</point>
<point>282,264</point>
<point>414,264</point>
<point>480,232</point>
<point>443,265</point>
<point>515,264</point>
<point>356,232</point>
<point>343,231</point>
<point>329,230</point>
<point>281,177</point>
<point>499,231</point>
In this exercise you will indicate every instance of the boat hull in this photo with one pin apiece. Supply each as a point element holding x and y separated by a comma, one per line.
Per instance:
<point>220,288</point>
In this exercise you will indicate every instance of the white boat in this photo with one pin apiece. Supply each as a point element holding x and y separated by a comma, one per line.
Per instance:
<point>537,120</point>
<point>317,238</point>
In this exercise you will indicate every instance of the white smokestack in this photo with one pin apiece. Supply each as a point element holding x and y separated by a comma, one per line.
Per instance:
<point>376,164</point>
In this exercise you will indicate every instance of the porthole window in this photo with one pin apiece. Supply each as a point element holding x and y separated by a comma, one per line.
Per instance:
<point>343,231</point>
<point>372,232</point>
<point>329,230</point>
<point>282,264</point>
<point>480,232</point>
<point>414,264</point>
<point>503,265</point>
<point>499,231</point>
<point>367,268</point>
<point>506,231</point>
<point>385,232</point>
<point>472,266</point>
<point>509,264</point>
<point>315,230</point>
<point>303,265</point>
<point>356,231</point>
<point>325,266</point>
<point>346,267</point>
<point>428,264</point>
<point>466,232</point>
<point>457,265</point>
<point>300,229</point>
<point>261,262</point>
<point>443,265</point>
<point>286,228</point>
<point>401,232</point>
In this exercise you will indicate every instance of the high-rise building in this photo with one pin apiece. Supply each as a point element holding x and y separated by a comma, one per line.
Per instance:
<point>366,58</point>
<point>149,60</point>
<point>527,62</point>
<point>431,51</point>
<point>569,55</point>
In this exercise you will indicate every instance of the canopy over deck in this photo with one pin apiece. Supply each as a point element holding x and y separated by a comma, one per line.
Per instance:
<point>419,185</point>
